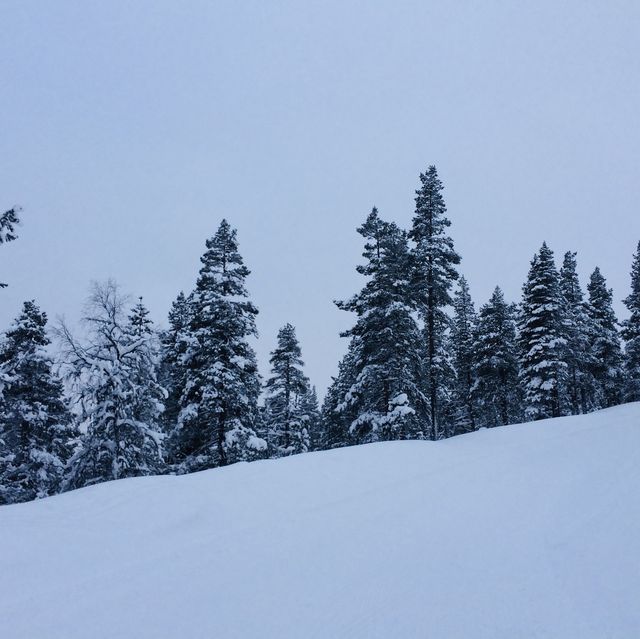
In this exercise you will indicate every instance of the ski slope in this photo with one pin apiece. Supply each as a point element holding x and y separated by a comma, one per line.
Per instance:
<point>527,531</point>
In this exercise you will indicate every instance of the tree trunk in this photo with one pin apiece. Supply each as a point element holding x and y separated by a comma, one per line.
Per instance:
<point>432,373</point>
<point>222,455</point>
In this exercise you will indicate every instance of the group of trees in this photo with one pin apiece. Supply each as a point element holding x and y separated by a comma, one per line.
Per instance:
<point>125,399</point>
<point>423,363</point>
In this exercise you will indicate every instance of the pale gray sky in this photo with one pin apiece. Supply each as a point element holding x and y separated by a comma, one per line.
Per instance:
<point>130,128</point>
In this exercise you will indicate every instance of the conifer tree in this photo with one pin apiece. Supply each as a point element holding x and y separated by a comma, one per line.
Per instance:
<point>462,340</point>
<point>577,323</point>
<point>495,364</point>
<point>149,400</point>
<point>386,395</point>
<point>286,424</point>
<point>8,222</point>
<point>311,415</point>
<point>221,383</point>
<point>36,435</point>
<point>542,342</point>
<point>435,261</point>
<point>112,377</point>
<point>172,371</point>
<point>336,416</point>
<point>606,349</point>
<point>631,334</point>
<point>140,324</point>
<point>331,421</point>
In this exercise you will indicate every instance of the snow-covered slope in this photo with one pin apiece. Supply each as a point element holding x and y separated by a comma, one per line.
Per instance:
<point>525,531</point>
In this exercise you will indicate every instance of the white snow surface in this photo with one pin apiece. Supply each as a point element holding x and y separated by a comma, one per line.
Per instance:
<point>526,531</point>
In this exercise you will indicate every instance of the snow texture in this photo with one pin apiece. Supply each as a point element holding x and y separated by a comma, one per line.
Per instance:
<point>528,531</point>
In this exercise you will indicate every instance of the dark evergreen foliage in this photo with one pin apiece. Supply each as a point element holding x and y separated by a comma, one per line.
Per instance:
<point>631,334</point>
<point>606,349</point>
<point>311,414</point>
<point>578,331</point>
<point>495,363</point>
<point>336,416</point>
<point>542,340</point>
<point>286,423</point>
<point>462,342</point>
<point>36,435</point>
<point>172,369</point>
<point>8,222</point>
<point>434,271</point>
<point>148,403</point>
<point>420,363</point>
<point>386,395</point>
<point>218,406</point>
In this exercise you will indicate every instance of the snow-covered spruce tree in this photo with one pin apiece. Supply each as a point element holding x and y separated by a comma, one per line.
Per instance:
<point>336,417</point>
<point>331,421</point>
<point>462,342</point>
<point>139,322</point>
<point>631,334</point>
<point>578,325</point>
<point>216,424</point>
<point>172,372</point>
<point>542,340</point>
<point>35,427</point>
<point>8,222</point>
<point>434,271</point>
<point>149,401</point>
<point>311,416</point>
<point>606,349</point>
<point>386,395</point>
<point>495,364</point>
<point>112,378</point>
<point>286,425</point>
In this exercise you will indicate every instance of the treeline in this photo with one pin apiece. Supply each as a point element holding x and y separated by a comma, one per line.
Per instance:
<point>125,399</point>
<point>423,363</point>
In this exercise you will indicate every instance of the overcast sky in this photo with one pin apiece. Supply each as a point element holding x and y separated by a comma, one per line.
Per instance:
<point>128,129</point>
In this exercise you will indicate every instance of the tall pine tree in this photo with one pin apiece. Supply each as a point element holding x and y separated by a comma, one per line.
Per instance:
<point>221,383</point>
<point>606,349</point>
<point>36,435</point>
<point>462,341</point>
<point>386,395</point>
<point>577,324</point>
<point>435,271</point>
<point>542,340</point>
<point>631,334</point>
<point>287,426</point>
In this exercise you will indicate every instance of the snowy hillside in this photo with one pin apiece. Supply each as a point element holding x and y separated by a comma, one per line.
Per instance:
<point>525,531</point>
